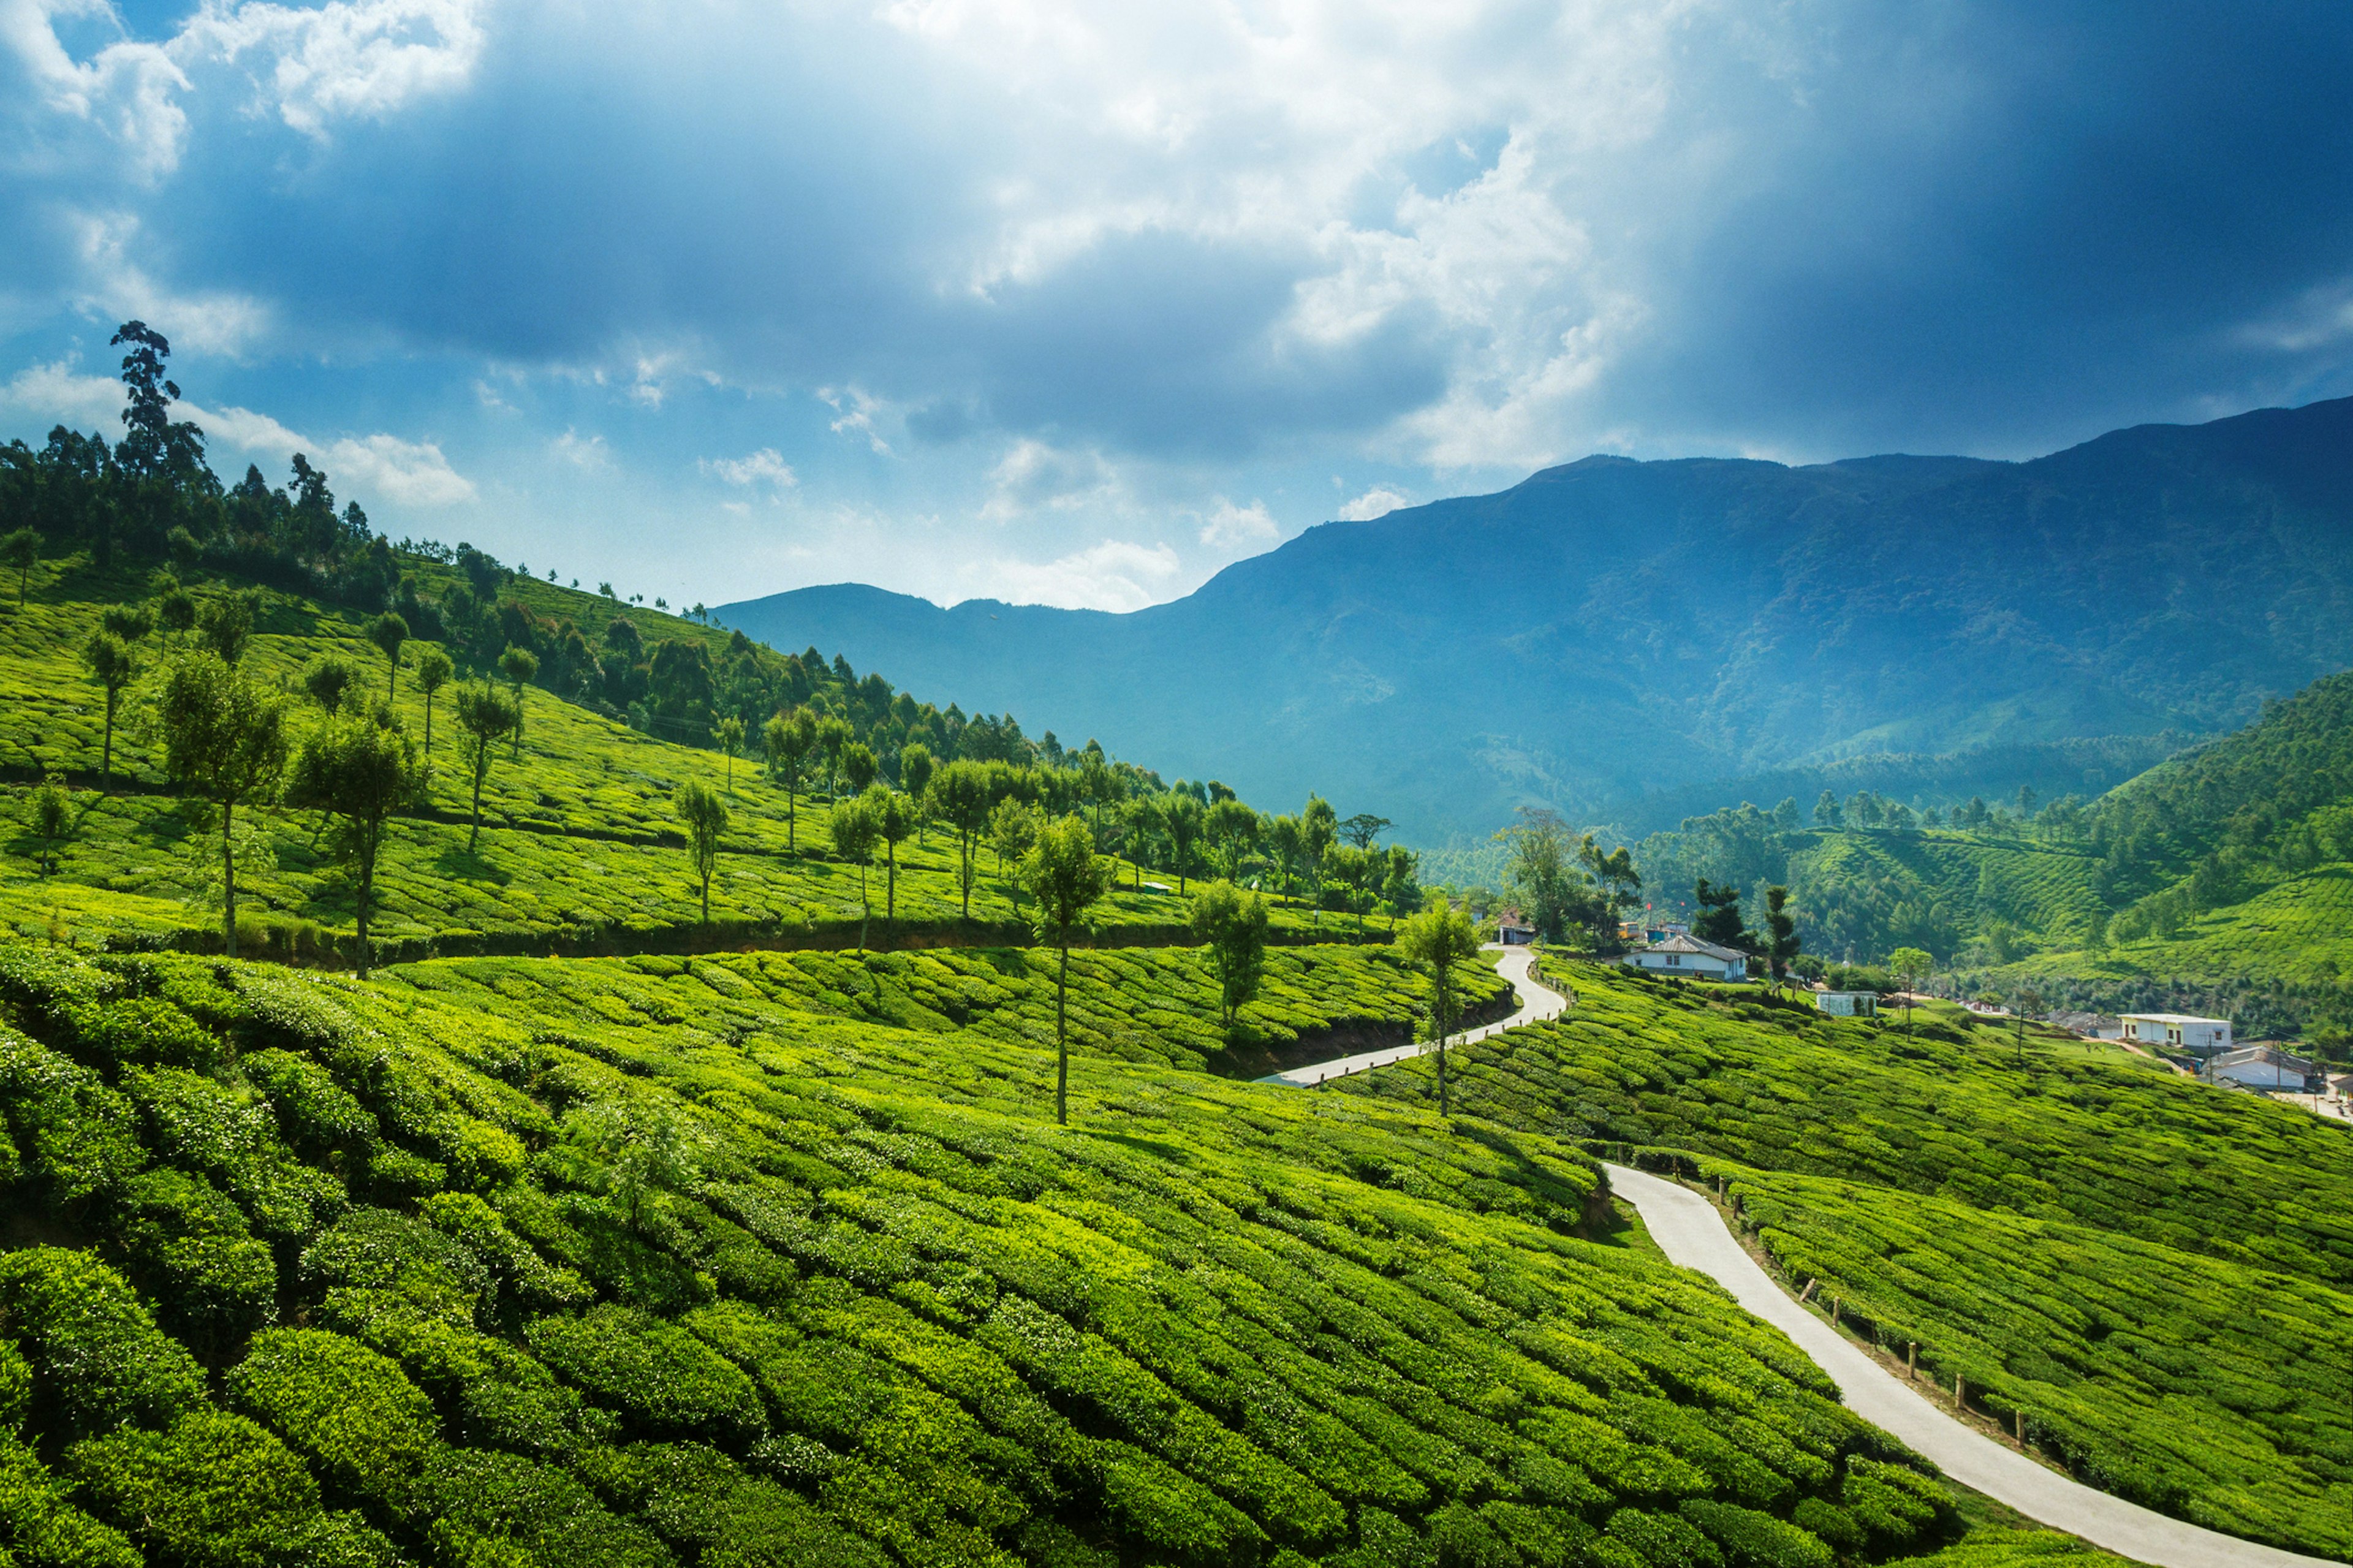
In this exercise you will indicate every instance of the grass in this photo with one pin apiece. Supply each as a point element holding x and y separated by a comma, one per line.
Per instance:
<point>2158,1271</point>
<point>652,1262</point>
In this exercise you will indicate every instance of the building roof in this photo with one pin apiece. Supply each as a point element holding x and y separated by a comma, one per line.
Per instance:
<point>1514,918</point>
<point>2270,1055</point>
<point>2173,1018</point>
<point>1682,942</point>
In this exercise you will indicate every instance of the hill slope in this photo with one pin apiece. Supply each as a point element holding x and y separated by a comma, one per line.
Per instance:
<point>1631,626</point>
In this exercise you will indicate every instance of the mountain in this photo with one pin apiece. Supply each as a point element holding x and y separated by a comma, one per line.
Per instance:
<point>1612,629</point>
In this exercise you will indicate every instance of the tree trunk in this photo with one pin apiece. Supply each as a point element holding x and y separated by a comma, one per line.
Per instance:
<point>1062,1041</point>
<point>368,889</point>
<point>475,837</point>
<point>891,897</point>
<point>106,758</point>
<point>228,884</point>
<point>706,900</point>
<point>792,816</point>
<point>865,907</point>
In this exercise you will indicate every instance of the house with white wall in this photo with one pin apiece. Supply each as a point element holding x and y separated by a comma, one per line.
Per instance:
<point>1683,955</point>
<point>2202,1037</point>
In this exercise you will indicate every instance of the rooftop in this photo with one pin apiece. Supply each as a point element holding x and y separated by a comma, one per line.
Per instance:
<point>1682,942</point>
<point>2174,1018</point>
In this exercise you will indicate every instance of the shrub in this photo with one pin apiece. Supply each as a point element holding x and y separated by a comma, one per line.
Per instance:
<point>662,1379</point>
<point>1664,1540</point>
<point>494,1392</point>
<point>1753,1540</point>
<point>189,1244</point>
<point>378,1249</point>
<point>42,1529</point>
<point>490,1508</point>
<point>703,1503</point>
<point>317,1114</point>
<point>351,1412</point>
<point>142,1029</point>
<point>78,1135</point>
<point>99,1359</point>
<point>213,1492</point>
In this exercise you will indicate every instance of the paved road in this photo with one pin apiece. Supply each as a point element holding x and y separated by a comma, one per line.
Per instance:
<point>1537,1003</point>
<point>1692,1233</point>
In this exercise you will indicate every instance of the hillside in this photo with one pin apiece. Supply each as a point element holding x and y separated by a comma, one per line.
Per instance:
<point>2154,1271</point>
<point>1628,629</point>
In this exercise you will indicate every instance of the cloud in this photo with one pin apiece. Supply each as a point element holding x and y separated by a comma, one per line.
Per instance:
<point>592,453</point>
<point>1228,526</point>
<point>1113,575</point>
<point>59,392</point>
<point>766,466</point>
<point>1033,477</point>
<point>370,467</point>
<point>1379,501</point>
<point>348,59</point>
<point>858,418</point>
<point>120,289</point>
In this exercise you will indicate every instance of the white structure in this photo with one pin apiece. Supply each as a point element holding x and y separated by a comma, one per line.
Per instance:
<point>2203,1035</point>
<point>1513,930</point>
<point>1848,1004</point>
<point>1688,956</point>
<point>2260,1066</point>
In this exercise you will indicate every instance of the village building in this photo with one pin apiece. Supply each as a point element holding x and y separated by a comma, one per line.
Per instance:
<point>1682,953</point>
<point>2201,1036</point>
<point>1513,928</point>
<point>2260,1066</point>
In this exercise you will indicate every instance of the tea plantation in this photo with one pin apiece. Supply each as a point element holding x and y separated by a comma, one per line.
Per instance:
<point>2157,1271</point>
<point>681,1261</point>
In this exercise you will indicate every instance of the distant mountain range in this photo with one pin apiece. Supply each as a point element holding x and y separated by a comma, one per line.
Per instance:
<point>1613,631</point>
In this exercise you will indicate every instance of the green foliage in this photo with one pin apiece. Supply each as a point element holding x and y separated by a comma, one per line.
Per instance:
<point>1232,929</point>
<point>366,1429</point>
<point>662,1380</point>
<point>98,1360</point>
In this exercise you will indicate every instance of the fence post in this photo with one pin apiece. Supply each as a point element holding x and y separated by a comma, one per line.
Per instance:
<point>1912,1360</point>
<point>1960,1392</point>
<point>2018,1422</point>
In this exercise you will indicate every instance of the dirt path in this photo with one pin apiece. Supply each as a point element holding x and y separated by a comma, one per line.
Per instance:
<point>1537,1003</point>
<point>1692,1233</point>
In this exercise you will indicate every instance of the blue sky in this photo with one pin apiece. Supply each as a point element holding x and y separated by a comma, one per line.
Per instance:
<point>1076,303</point>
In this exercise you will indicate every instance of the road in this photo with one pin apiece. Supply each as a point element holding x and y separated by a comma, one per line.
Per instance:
<point>1537,1003</point>
<point>1693,1234</point>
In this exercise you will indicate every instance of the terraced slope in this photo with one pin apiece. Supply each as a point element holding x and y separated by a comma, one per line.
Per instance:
<point>599,1262</point>
<point>2145,1265</point>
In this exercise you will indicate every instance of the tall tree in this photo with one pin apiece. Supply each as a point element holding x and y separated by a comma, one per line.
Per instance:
<point>519,665</point>
<point>833,737</point>
<point>109,662</point>
<point>963,797</point>
<point>434,671</point>
<point>854,832</point>
<point>1910,966</point>
<point>1781,941</point>
<point>1438,939</point>
<point>1319,825</point>
<point>485,717</point>
<point>1012,829</point>
<point>728,733</point>
<point>1283,847</point>
<point>1719,920</point>
<point>895,820</point>
<point>21,551</point>
<point>359,772</point>
<point>224,740</point>
<point>225,622</point>
<point>916,765</point>
<point>1542,872</point>
<point>789,739</point>
<point>1066,876</point>
<point>328,681</point>
<point>858,767</point>
<point>1231,926</point>
<point>1363,828</point>
<point>1233,828</point>
<point>704,815</point>
<point>52,820</point>
<point>389,632</point>
<point>1183,822</point>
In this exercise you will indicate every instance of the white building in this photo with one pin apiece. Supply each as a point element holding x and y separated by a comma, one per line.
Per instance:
<point>2260,1066</point>
<point>1848,1004</point>
<point>2203,1035</point>
<point>1686,955</point>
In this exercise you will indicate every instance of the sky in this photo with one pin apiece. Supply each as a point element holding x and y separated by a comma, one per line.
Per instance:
<point>1075,303</point>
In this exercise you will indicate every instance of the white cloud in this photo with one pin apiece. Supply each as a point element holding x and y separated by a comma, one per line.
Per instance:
<point>1229,525</point>
<point>116,289</point>
<point>1033,476</point>
<point>349,60</point>
<point>1114,575</point>
<point>766,466</point>
<point>591,454</point>
<point>859,418</point>
<point>1379,501</point>
<point>59,393</point>
<point>370,468</point>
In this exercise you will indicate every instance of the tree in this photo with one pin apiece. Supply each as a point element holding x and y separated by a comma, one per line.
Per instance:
<point>175,608</point>
<point>1827,813</point>
<point>1620,886</point>
<point>1719,920</point>
<point>962,792</point>
<point>1012,829</point>
<point>389,632</point>
<point>2029,1001</point>
<point>1318,826</point>
<point>854,832</point>
<point>1231,926</point>
<point>21,551</point>
<point>1233,828</point>
<point>1066,876</point>
<point>433,672</point>
<point>1182,822</point>
<point>225,624</point>
<point>1541,871</point>
<point>704,815</point>
<point>832,736</point>
<point>52,820</point>
<point>1438,939</point>
<point>359,772</point>
<point>1282,843</point>
<point>789,739</point>
<point>895,820</point>
<point>1402,885</point>
<point>224,739</point>
<point>1909,964</point>
<point>327,680</point>
<point>916,765</point>
<point>109,660</point>
<point>518,665</point>
<point>1363,828</point>
<point>485,717</point>
<point>131,622</point>
<point>1098,785</point>
<point>728,733</point>
<point>1781,941</point>
<point>858,767</point>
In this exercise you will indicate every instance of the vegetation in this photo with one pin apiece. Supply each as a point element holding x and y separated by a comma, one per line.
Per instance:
<point>2017,1214</point>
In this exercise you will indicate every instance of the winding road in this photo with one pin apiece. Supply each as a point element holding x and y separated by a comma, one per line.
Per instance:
<point>1692,1233</point>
